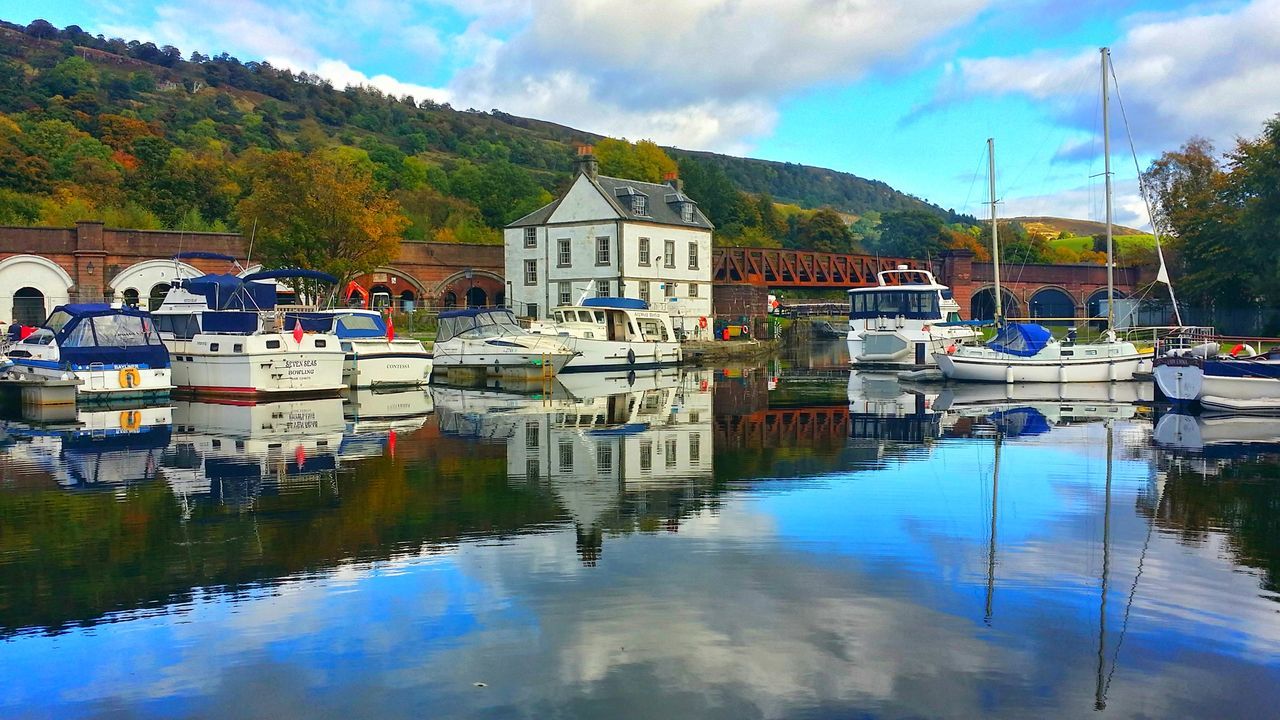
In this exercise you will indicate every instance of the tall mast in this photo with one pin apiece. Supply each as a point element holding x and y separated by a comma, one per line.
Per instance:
<point>995,240</point>
<point>1106,172</point>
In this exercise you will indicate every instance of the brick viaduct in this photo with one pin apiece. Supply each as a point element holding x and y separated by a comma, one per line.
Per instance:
<point>41,267</point>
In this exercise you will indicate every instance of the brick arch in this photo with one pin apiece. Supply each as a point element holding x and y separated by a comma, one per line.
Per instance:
<point>491,284</point>
<point>988,291</point>
<point>1032,310</point>
<point>395,280</point>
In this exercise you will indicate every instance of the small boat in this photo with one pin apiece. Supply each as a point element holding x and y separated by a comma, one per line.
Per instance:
<point>375,357</point>
<point>1234,384</point>
<point>227,339</point>
<point>491,341</point>
<point>823,330</point>
<point>611,333</point>
<point>903,321</point>
<point>114,352</point>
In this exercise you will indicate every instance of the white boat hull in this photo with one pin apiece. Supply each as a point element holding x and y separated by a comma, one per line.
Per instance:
<point>1007,369</point>
<point>1180,379</point>
<point>112,382</point>
<point>1250,386</point>
<point>604,355</point>
<point>397,363</point>
<point>257,370</point>
<point>505,360</point>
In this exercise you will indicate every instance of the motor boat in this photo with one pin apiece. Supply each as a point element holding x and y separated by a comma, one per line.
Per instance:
<point>1227,383</point>
<point>374,356</point>
<point>613,332</point>
<point>903,321</point>
<point>114,352</point>
<point>490,341</point>
<point>227,338</point>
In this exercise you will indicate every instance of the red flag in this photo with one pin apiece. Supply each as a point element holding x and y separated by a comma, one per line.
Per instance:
<point>300,456</point>
<point>391,443</point>
<point>391,327</point>
<point>297,331</point>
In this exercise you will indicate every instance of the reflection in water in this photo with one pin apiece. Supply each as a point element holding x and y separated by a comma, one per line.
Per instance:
<point>711,544</point>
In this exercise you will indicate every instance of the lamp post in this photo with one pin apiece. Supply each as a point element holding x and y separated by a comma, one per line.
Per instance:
<point>470,275</point>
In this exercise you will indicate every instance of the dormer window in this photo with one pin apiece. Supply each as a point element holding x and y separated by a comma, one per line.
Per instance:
<point>639,205</point>
<point>686,212</point>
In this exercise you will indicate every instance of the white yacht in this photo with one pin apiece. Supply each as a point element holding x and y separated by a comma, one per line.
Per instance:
<point>374,356</point>
<point>903,321</point>
<point>1027,352</point>
<point>114,352</point>
<point>612,333</point>
<point>226,338</point>
<point>491,341</point>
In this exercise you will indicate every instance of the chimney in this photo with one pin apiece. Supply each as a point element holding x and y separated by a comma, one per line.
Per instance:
<point>586,164</point>
<point>674,181</point>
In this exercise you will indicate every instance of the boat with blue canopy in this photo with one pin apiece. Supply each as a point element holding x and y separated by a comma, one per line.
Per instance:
<point>113,351</point>
<point>374,356</point>
<point>613,333</point>
<point>227,337</point>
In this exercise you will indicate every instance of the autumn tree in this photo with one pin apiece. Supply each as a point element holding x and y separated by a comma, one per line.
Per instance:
<point>319,212</point>
<point>643,161</point>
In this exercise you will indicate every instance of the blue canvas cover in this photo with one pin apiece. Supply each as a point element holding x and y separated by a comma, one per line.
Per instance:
<point>1020,339</point>
<point>114,337</point>
<point>1020,422</point>
<point>291,273</point>
<point>229,321</point>
<point>228,292</point>
<point>623,303</point>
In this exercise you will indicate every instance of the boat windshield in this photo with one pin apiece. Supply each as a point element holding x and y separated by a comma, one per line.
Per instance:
<point>494,323</point>
<point>914,304</point>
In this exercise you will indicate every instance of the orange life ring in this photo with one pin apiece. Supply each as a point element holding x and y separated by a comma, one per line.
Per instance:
<point>130,420</point>
<point>130,377</point>
<point>702,322</point>
<point>702,386</point>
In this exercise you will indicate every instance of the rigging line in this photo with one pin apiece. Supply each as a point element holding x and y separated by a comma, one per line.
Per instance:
<point>974,181</point>
<point>1142,189</point>
<point>1133,589</point>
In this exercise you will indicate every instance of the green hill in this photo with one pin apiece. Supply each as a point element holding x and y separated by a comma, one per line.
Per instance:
<point>145,136</point>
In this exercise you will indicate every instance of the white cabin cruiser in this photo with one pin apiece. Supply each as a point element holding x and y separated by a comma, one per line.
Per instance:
<point>1243,384</point>
<point>903,321</point>
<point>375,357</point>
<point>611,333</point>
<point>491,341</point>
<point>114,352</point>
<point>226,339</point>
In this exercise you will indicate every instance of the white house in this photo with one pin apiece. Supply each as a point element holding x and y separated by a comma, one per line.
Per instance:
<point>613,237</point>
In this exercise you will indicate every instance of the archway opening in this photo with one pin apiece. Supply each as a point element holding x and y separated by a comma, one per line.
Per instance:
<point>982,306</point>
<point>28,307</point>
<point>1054,307</point>
<point>450,299</point>
<point>477,297</point>
<point>500,299</point>
<point>1097,306</point>
<point>380,297</point>
<point>407,301</point>
<point>131,297</point>
<point>156,296</point>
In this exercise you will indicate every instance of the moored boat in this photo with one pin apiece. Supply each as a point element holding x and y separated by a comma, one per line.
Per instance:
<point>490,341</point>
<point>903,321</point>
<point>613,332</point>
<point>1250,385</point>
<point>374,356</point>
<point>114,352</point>
<point>226,339</point>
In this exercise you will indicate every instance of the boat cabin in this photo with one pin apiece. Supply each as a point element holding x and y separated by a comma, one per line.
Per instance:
<point>477,324</point>
<point>904,293</point>
<point>611,318</point>
<point>96,333</point>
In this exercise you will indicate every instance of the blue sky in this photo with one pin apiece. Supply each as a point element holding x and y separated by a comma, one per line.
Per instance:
<point>902,92</point>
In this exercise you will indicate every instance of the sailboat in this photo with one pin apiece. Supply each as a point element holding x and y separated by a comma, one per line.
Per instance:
<point>1027,352</point>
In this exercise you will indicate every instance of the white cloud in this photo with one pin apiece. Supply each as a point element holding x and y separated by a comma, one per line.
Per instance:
<point>1086,202</point>
<point>1212,75</point>
<point>343,75</point>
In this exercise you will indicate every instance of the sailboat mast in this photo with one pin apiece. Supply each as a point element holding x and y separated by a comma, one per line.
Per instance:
<point>991,551</point>
<point>1100,695</point>
<point>1106,173</point>
<point>995,240</point>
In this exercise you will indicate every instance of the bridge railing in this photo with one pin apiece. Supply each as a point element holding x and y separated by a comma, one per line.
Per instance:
<point>799,268</point>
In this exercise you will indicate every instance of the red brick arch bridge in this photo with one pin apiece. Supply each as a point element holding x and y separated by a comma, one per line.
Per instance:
<point>41,267</point>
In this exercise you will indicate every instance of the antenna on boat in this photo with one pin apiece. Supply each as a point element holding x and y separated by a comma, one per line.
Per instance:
<point>995,240</point>
<point>248,258</point>
<point>1106,172</point>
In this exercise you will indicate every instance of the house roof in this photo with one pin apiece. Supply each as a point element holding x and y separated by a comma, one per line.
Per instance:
<point>663,207</point>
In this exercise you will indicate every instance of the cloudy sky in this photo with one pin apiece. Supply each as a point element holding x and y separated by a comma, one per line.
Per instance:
<point>902,92</point>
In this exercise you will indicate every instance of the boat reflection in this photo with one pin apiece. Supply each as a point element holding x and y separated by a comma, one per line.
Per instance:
<point>96,447</point>
<point>1220,436</point>
<point>883,409</point>
<point>1066,403</point>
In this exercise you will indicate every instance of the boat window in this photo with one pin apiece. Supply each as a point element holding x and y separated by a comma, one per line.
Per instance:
<point>916,304</point>
<point>237,348</point>
<point>559,316</point>
<point>119,330</point>
<point>321,343</point>
<point>273,344</point>
<point>361,322</point>
<point>58,320</point>
<point>213,347</point>
<point>600,317</point>
<point>44,336</point>
<point>653,330</point>
<point>492,324</point>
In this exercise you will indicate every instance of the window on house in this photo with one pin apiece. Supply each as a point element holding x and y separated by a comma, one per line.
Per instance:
<point>566,291</point>
<point>604,459</point>
<point>602,288</point>
<point>644,290</point>
<point>566,456</point>
<point>693,256</point>
<point>564,256</point>
<point>671,453</point>
<point>693,290</point>
<point>531,237</point>
<point>532,433</point>
<point>532,469</point>
<point>602,251</point>
<point>686,212</point>
<point>670,289</point>
<point>639,205</point>
<point>695,449</point>
<point>669,254</point>
<point>531,310</point>
<point>646,455</point>
<point>644,251</point>
<point>530,272</point>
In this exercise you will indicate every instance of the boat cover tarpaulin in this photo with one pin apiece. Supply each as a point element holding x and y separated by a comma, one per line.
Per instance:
<point>228,292</point>
<point>1021,339</point>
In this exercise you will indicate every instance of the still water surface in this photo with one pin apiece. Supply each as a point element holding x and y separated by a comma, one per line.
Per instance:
<point>785,542</point>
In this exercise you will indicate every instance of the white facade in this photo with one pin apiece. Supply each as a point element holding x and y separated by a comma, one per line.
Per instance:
<point>591,242</point>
